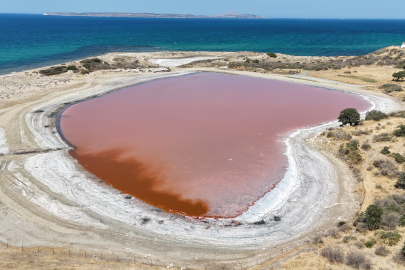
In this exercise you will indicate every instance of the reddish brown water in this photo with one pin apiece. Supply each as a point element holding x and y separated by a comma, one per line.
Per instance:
<point>200,145</point>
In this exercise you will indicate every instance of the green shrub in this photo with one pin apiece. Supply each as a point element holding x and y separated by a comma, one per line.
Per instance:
<point>383,137</point>
<point>400,132</point>
<point>400,181</point>
<point>370,243</point>
<point>53,70</point>
<point>398,157</point>
<point>389,87</point>
<point>272,55</point>
<point>348,238</point>
<point>385,151</point>
<point>402,220</point>
<point>72,68</point>
<point>390,238</point>
<point>256,61</point>
<point>373,217</point>
<point>349,116</point>
<point>376,115</point>
<point>353,145</point>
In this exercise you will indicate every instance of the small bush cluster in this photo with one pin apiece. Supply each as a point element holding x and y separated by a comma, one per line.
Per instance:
<point>400,181</point>
<point>390,220</point>
<point>366,146</point>
<point>383,137</point>
<point>349,238</point>
<point>400,132</point>
<point>356,260</point>
<point>333,255</point>
<point>386,167</point>
<point>370,243</point>
<point>389,238</point>
<point>398,157</point>
<point>350,152</point>
<point>94,64</point>
<point>376,115</point>
<point>360,132</point>
<point>398,114</point>
<point>388,88</point>
<point>57,70</point>
<point>338,134</point>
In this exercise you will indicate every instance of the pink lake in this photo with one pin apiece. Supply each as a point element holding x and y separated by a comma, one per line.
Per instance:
<point>202,145</point>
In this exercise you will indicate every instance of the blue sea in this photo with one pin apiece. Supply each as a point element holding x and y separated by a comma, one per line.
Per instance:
<point>31,41</point>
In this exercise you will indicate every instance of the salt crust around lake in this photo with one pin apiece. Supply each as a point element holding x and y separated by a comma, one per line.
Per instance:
<point>3,142</point>
<point>308,182</point>
<point>178,62</point>
<point>302,199</point>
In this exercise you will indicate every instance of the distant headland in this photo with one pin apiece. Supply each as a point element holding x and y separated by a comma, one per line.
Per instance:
<point>228,15</point>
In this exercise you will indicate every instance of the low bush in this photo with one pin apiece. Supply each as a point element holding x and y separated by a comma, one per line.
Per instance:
<point>385,151</point>
<point>359,245</point>
<point>400,181</point>
<point>376,115</point>
<point>399,258</point>
<point>383,137</point>
<point>339,134</point>
<point>272,55</point>
<point>398,157</point>
<point>366,146</point>
<point>398,114</point>
<point>389,238</point>
<point>370,243</point>
<point>53,70</point>
<point>387,167</point>
<point>382,250</point>
<point>72,68</point>
<point>402,220</point>
<point>390,220</point>
<point>389,87</point>
<point>349,238</point>
<point>360,132</point>
<point>355,259</point>
<point>333,255</point>
<point>400,132</point>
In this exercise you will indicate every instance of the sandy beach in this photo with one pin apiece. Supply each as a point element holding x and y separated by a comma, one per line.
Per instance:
<point>48,199</point>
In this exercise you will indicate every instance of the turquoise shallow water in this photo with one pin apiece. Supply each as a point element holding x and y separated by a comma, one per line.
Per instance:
<point>28,41</point>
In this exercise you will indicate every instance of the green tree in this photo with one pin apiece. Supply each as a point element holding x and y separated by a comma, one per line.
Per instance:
<point>400,181</point>
<point>373,217</point>
<point>349,116</point>
<point>399,75</point>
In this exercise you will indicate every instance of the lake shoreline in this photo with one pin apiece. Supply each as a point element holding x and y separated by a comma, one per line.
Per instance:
<point>24,130</point>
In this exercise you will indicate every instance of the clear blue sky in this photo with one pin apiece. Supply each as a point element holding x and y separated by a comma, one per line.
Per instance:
<point>388,9</point>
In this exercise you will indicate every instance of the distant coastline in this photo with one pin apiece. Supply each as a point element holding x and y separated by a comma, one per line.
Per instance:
<point>228,15</point>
